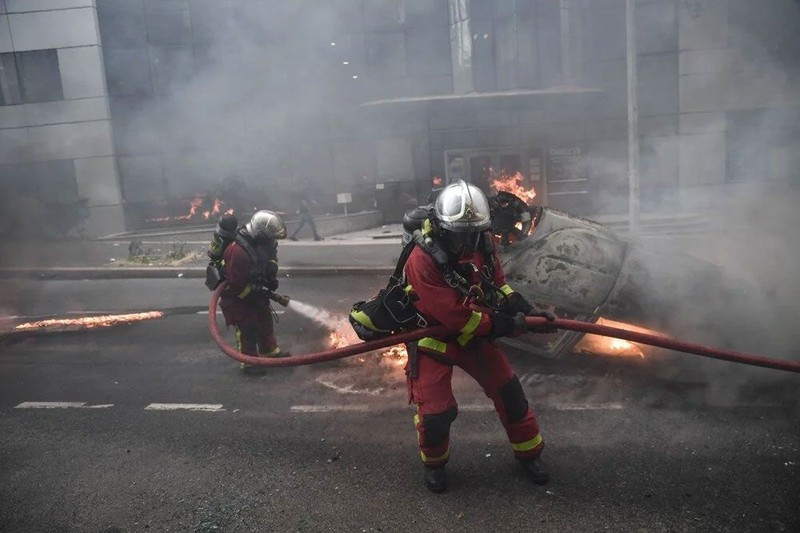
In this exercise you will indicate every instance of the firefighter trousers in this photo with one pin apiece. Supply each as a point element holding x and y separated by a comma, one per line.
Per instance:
<point>430,388</point>
<point>257,335</point>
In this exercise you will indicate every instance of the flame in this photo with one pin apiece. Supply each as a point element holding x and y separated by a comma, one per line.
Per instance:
<point>394,356</point>
<point>339,340</point>
<point>89,322</point>
<point>599,345</point>
<point>512,183</point>
<point>195,204</point>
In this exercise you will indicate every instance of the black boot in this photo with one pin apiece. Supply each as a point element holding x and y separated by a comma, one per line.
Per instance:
<point>436,478</point>
<point>536,471</point>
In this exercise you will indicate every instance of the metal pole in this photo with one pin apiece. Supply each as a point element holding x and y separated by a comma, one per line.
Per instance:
<point>633,121</point>
<point>567,75</point>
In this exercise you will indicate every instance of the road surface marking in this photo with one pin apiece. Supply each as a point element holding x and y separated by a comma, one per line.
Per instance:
<point>61,405</point>
<point>475,407</point>
<point>327,408</point>
<point>210,407</point>
<point>478,407</point>
<point>349,389</point>
<point>586,407</point>
<point>487,407</point>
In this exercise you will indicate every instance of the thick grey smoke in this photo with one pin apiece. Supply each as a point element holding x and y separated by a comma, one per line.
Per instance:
<point>250,104</point>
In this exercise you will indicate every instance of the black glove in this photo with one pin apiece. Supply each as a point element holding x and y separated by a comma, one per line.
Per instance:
<point>272,284</point>
<point>504,325</point>
<point>544,328</point>
<point>515,303</point>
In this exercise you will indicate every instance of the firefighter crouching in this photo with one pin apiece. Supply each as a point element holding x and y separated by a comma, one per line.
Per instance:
<point>507,211</point>
<point>459,263</point>
<point>251,270</point>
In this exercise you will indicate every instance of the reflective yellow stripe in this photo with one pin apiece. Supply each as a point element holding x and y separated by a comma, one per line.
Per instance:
<point>239,339</point>
<point>472,323</point>
<point>469,328</point>
<point>433,344</point>
<point>362,318</point>
<point>528,445</point>
<point>273,352</point>
<point>427,459</point>
<point>426,226</point>
<point>407,288</point>
<point>416,420</point>
<point>506,289</point>
<point>464,338</point>
<point>245,292</point>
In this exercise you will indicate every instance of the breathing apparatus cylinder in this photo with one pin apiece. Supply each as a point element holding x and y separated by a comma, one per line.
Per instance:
<point>223,235</point>
<point>413,220</point>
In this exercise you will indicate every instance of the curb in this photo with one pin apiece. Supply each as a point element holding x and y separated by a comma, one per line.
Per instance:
<point>77,273</point>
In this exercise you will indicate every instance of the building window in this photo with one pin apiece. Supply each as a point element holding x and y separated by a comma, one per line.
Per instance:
<point>9,81</point>
<point>30,77</point>
<point>50,182</point>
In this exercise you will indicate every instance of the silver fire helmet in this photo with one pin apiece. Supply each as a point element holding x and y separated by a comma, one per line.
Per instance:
<point>265,224</point>
<point>462,207</point>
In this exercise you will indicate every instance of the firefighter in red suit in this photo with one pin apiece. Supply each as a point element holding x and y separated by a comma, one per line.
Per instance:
<point>251,269</point>
<point>461,263</point>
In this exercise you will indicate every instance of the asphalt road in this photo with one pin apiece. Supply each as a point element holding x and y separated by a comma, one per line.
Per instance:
<point>332,448</point>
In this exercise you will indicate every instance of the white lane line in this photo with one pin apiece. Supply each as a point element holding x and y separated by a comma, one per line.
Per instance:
<point>61,405</point>
<point>328,408</point>
<point>209,407</point>
<point>477,407</point>
<point>466,407</point>
<point>586,407</point>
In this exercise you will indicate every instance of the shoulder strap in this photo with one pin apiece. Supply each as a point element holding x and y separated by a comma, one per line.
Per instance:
<point>441,259</point>
<point>247,247</point>
<point>401,261</point>
<point>488,252</point>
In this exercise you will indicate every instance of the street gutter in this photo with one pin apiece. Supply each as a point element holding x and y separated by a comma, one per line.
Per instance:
<point>75,273</point>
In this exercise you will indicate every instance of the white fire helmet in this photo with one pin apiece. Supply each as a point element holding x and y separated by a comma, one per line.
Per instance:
<point>266,224</point>
<point>462,208</point>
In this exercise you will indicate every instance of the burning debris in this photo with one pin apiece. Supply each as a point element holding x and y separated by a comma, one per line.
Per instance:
<point>599,345</point>
<point>394,356</point>
<point>87,322</point>
<point>512,183</point>
<point>200,208</point>
<point>341,334</point>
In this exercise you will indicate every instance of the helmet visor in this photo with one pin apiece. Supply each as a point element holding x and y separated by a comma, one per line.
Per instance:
<point>462,242</point>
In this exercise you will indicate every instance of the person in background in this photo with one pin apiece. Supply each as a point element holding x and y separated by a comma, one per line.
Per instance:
<point>304,210</point>
<point>437,185</point>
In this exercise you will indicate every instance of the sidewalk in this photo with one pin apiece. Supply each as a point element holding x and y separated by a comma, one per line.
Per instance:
<point>366,251</point>
<point>373,250</point>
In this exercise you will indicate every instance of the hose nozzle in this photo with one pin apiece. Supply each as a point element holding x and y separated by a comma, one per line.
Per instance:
<point>282,299</point>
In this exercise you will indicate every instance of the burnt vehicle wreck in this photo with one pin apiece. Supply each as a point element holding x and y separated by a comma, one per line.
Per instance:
<point>585,271</point>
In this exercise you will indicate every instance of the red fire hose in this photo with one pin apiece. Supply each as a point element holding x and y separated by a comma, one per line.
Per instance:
<point>561,323</point>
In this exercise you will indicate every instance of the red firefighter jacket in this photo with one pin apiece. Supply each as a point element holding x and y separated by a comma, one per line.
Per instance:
<point>439,303</point>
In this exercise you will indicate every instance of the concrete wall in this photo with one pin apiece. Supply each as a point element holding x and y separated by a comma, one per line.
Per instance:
<point>74,130</point>
<point>730,64</point>
<point>337,224</point>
